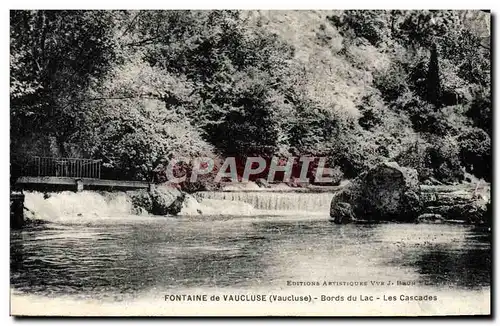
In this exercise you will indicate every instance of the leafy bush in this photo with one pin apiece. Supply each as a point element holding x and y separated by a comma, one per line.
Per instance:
<point>372,111</point>
<point>475,152</point>
<point>443,159</point>
<point>354,152</point>
<point>391,83</point>
<point>480,110</point>
<point>434,159</point>
<point>368,24</point>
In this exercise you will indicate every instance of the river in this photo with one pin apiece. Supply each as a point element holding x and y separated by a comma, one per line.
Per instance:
<point>126,264</point>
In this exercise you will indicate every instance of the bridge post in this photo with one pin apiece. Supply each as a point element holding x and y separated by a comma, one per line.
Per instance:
<point>16,210</point>
<point>79,185</point>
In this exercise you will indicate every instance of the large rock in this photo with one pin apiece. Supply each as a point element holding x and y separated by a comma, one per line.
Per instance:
<point>141,201</point>
<point>160,200</point>
<point>342,213</point>
<point>387,192</point>
<point>166,200</point>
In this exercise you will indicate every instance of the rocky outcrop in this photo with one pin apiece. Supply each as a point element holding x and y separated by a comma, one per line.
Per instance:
<point>342,212</point>
<point>160,200</point>
<point>141,201</point>
<point>166,200</point>
<point>471,213</point>
<point>458,204</point>
<point>387,192</point>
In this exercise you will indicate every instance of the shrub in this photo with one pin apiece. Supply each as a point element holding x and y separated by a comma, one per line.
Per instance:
<point>354,152</point>
<point>443,158</point>
<point>369,24</point>
<point>372,112</point>
<point>425,118</point>
<point>434,159</point>
<point>480,110</point>
<point>392,82</point>
<point>414,157</point>
<point>475,152</point>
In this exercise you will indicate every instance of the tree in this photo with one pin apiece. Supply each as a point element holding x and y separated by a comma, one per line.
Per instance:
<point>433,95</point>
<point>241,85</point>
<point>55,56</point>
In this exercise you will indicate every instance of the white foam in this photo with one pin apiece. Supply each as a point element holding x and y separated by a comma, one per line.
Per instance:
<point>81,206</point>
<point>275,201</point>
<point>89,206</point>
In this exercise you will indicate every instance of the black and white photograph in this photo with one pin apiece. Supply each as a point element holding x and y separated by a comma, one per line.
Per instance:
<point>333,163</point>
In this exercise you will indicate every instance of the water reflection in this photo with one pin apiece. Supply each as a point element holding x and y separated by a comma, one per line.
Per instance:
<point>468,267</point>
<point>123,259</point>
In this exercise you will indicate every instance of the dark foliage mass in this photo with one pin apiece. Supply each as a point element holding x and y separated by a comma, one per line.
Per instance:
<point>135,88</point>
<point>433,81</point>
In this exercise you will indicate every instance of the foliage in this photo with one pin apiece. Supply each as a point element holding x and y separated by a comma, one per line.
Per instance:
<point>392,83</point>
<point>137,88</point>
<point>433,89</point>
<point>369,24</point>
<point>444,160</point>
<point>422,27</point>
<point>434,159</point>
<point>475,153</point>
<point>480,111</point>
<point>54,56</point>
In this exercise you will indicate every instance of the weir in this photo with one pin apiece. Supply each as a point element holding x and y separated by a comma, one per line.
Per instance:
<point>78,206</point>
<point>272,200</point>
<point>85,206</point>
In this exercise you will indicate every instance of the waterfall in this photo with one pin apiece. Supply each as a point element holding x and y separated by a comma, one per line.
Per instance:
<point>274,201</point>
<point>77,206</point>
<point>85,206</point>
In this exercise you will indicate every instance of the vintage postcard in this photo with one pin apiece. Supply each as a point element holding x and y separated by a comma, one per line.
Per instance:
<point>250,163</point>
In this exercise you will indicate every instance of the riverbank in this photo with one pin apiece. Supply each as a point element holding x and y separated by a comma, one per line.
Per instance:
<point>392,193</point>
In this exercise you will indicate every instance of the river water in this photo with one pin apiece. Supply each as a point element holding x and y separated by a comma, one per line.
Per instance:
<point>126,265</point>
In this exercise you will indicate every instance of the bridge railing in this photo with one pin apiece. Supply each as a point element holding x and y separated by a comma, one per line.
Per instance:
<point>64,167</point>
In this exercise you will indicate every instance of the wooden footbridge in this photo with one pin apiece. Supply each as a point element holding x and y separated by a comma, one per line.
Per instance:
<point>71,172</point>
